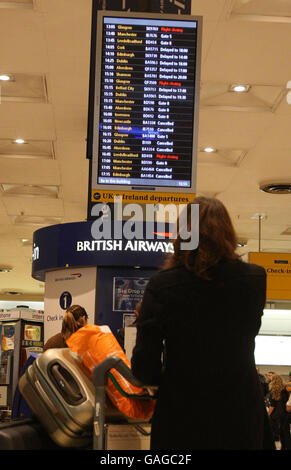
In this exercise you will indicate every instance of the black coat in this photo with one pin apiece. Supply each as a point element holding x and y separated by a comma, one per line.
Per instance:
<point>209,391</point>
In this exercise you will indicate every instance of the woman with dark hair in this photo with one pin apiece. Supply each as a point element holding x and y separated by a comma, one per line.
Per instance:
<point>205,307</point>
<point>74,318</point>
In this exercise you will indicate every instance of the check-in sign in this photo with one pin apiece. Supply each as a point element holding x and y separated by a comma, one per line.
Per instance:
<point>278,270</point>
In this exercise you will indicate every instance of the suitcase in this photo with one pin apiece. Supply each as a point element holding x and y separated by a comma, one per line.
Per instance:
<point>61,396</point>
<point>26,434</point>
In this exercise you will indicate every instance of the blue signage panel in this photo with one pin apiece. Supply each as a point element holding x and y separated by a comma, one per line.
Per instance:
<point>44,251</point>
<point>73,245</point>
<point>65,300</point>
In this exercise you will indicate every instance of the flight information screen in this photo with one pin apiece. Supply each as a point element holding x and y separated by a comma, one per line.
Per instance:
<point>147,100</point>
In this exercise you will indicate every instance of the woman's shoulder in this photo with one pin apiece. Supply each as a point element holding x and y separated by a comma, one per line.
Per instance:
<point>166,277</point>
<point>233,269</point>
<point>229,269</point>
<point>236,266</point>
<point>250,269</point>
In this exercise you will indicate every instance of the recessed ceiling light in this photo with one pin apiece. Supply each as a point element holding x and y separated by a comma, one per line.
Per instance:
<point>209,149</point>
<point>240,88</point>
<point>276,188</point>
<point>36,220</point>
<point>4,78</point>
<point>259,216</point>
<point>241,244</point>
<point>5,269</point>
<point>19,141</point>
<point>11,292</point>
<point>26,242</point>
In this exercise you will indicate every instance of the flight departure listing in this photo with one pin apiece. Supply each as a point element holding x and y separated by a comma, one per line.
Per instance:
<point>147,102</point>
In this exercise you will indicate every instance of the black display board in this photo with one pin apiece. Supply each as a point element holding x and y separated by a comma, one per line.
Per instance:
<point>154,6</point>
<point>143,103</point>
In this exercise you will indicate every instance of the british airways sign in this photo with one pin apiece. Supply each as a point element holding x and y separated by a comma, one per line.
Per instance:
<point>72,245</point>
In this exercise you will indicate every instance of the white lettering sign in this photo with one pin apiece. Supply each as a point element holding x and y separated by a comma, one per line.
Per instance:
<point>114,245</point>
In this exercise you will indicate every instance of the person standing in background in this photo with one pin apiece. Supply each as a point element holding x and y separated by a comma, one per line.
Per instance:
<point>278,397</point>
<point>206,306</point>
<point>264,385</point>
<point>75,317</point>
<point>269,377</point>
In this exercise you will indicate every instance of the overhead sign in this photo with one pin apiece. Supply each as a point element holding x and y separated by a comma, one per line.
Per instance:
<point>146,95</point>
<point>71,245</point>
<point>141,197</point>
<point>144,104</point>
<point>278,270</point>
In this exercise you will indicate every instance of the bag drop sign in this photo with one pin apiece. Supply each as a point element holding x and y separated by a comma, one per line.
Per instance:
<point>127,292</point>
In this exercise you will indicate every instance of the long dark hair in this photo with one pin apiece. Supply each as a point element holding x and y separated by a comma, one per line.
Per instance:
<point>217,239</point>
<point>73,320</point>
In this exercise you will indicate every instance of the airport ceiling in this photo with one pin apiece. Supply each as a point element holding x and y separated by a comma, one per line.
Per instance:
<point>45,46</point>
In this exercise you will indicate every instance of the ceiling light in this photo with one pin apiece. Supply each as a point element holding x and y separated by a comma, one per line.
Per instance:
<point>29,190</point>
<point>209,149</point>
<point>19,141</point>
<point>276,188</point>
<point>36,220</point>
<point>4,78</point>
<point>242,244</point>
<point>259,216</point>
<point>5,269</point>
<point>26,242</point>
<point>11,292</point>
<point>240,88</point>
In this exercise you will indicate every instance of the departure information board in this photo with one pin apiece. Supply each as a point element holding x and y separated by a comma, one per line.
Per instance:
<point>146,102</point>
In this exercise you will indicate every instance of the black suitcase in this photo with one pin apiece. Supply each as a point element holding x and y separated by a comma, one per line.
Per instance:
<point>61,396</point>
<point>26,434</point>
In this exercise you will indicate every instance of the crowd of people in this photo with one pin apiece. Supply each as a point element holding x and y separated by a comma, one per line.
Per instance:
<point>277,398</point>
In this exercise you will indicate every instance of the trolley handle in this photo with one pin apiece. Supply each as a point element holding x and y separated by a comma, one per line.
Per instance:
<point>100,376</point>
<point>101,370</point>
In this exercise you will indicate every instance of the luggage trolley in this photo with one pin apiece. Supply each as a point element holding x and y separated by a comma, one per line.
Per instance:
<point>74,410</point>
<point>102,420</point>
